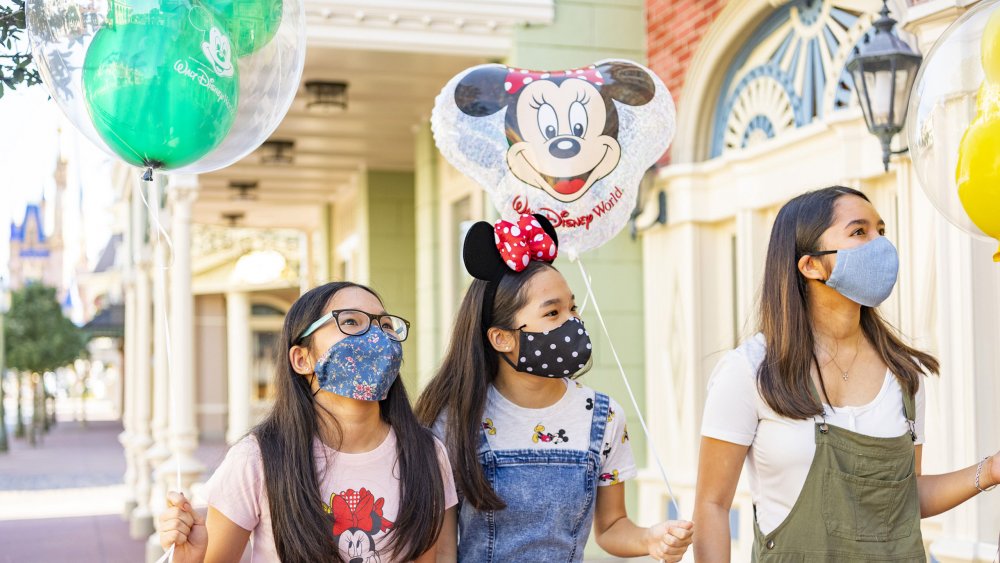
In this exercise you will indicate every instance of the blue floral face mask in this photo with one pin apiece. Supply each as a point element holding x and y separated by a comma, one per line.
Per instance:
<point>361,367</point>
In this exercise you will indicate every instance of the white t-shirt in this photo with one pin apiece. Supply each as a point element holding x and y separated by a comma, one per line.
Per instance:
<point>563,425</point>
<point>361,494</point>
<point>781,449</point>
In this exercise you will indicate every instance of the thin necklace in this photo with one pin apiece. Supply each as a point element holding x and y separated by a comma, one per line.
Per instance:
<point>844,372</point>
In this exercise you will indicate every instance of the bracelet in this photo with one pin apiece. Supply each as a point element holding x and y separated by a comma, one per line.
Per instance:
<point>979,471</point>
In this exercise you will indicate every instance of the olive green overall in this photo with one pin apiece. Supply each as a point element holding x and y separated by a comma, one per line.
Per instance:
<point>859,502</point>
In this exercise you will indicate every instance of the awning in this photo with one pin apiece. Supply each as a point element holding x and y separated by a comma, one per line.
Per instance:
<point>109,322</point>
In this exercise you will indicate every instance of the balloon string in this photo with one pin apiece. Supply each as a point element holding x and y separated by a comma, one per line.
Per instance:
<point>161,231</point>
<point>586,300</point>
<point>161,238</point>
<point>168,556</point>
<point>628,387</point>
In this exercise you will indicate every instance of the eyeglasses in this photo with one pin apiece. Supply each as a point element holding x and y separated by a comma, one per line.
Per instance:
<point>355,323</point>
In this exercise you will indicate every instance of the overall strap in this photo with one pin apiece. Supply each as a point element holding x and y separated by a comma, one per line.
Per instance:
<point>600,422</point>
<point>815,392</point>
<point>910,410</point>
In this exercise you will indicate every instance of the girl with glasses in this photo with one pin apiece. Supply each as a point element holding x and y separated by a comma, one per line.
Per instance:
<point>340,470</point>
<point>538,457</point>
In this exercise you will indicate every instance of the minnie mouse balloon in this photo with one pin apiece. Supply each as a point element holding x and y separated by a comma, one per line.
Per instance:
<point>571,145</point>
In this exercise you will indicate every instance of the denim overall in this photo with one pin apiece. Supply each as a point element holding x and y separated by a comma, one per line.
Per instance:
<point>859,502</point>
<point>550,496</point>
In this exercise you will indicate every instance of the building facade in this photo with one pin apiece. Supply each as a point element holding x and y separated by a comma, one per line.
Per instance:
<point>766,111</point>
<point>359,192</point>
<point>354,193</point>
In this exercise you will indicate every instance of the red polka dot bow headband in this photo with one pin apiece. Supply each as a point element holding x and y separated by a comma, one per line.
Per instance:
<point>493,251</point>
<point>527,240</point>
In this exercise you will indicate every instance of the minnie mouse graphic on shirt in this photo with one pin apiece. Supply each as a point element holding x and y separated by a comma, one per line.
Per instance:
<point>357,520</point>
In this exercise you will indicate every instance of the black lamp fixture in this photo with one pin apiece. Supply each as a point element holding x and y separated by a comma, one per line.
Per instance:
<point>277,151</point>
<point>883,68</point>
<point>244,190</point>
<point>233,217</point>
<point>326,95</point>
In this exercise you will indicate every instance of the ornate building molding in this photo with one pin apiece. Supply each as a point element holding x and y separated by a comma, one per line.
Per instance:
<point>442,26</point>
<point>788,74</point>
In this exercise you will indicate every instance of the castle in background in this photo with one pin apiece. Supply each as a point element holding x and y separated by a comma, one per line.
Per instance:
<point>37,254</point>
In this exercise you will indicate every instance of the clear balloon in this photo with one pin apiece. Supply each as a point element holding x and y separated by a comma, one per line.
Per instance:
<point>269,80</point>
<point>252,22</point>
<point>978,174</point>
<point>572,145</point>
<point>62,31</point>
<point>949,124</point>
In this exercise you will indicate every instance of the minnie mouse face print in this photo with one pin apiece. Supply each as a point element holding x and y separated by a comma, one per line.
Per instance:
<point>567,141</point>
<point>571,145</point>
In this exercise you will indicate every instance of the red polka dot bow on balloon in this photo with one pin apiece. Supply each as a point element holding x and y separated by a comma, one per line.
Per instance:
<point>518,244</point>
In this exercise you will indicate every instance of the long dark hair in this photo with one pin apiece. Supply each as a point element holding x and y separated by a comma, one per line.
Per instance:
<point>459,388</point>
<point>783,376</point>
<point>301,528</point>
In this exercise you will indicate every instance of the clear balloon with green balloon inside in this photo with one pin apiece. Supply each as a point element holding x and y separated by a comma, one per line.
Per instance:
<point>172,85</point>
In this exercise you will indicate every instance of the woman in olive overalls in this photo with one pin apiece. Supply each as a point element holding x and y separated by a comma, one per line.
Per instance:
<point>825,404</point>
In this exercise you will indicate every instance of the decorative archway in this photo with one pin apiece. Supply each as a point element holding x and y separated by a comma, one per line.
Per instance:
<point>767,67</point>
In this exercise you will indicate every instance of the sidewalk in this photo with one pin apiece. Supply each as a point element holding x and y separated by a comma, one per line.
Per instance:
<point>62,500</point>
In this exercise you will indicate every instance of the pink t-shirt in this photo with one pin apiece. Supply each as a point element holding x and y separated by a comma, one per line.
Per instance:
<point>361,493</point>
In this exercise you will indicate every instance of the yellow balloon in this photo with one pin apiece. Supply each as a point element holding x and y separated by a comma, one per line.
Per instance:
<point>978,173</point>
<point>989,48</point>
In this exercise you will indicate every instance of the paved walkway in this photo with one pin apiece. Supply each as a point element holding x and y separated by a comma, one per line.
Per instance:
<point>62,500</point>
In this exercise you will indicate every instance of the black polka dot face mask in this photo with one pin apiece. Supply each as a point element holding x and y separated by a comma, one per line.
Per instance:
<point>561,352</point>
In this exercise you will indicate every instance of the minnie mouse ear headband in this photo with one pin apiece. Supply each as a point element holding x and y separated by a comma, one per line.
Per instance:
<point>492,251</point>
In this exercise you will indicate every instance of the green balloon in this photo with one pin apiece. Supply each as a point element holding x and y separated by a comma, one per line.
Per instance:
<point>252,23</point>
<point>161,85</point>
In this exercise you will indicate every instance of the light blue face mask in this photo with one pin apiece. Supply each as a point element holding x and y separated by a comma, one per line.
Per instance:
<point>865,274</point>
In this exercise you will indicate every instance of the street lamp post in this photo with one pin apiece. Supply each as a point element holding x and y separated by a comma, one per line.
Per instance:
<point>883,68</point>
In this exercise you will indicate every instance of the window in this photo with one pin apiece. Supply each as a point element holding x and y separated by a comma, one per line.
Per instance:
<point>261,310</point>
<point>266,321</point>
<point>262,364</point>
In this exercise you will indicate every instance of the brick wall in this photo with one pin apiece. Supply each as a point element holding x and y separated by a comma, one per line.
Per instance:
<point>674,28</point>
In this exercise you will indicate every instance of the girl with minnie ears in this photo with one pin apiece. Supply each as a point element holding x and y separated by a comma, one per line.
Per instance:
<point>340,470</point>
<point>537,456</point>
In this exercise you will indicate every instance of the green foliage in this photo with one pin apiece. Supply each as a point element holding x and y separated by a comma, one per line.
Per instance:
<point>38,337</point>
<point>16,65</point>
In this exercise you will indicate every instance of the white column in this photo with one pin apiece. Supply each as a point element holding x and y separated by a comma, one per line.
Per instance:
<point>128,391</point>
<point>134,239</point>
<point>305,262</point>
<point>751,251</point>
<point>183,429</point>
<point>160,451</point>
<point>238,342</point>
<point>323,249</point>
<point>142,520</point>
